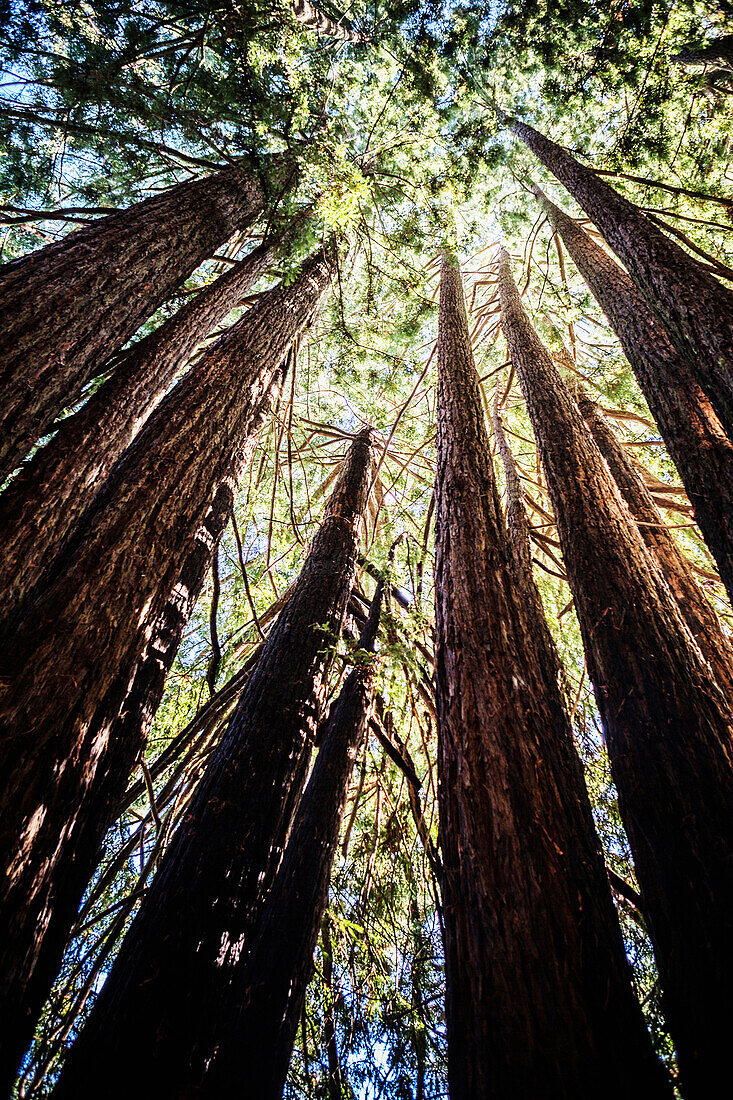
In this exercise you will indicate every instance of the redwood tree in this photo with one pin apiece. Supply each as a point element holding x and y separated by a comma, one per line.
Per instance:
<point>696,610</point>
<point>176,984</point>
<point>538,994</point>
<point>256,1042</point>
<point>67,307</point>
<point>75,651</point>
<point>41,506</point>
<point>667,724</point>
<point>695,439</point>
<point>695,309</point>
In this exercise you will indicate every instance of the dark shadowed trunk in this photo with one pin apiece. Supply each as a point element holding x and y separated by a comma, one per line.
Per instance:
<point>694,307</point>
<point>538,997</point>
<point>696,610</point>
<point>667,724</point>
<point>257,1042</point>
<point>52,490</point>
<point>694,437</point>
<point>71,663</point>
<point>176,982</point>
<point>67,307</point>
<point>718,51</point>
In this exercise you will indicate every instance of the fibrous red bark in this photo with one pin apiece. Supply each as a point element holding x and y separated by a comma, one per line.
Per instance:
<point>667,724</point>
<point>75,653</point>
<point>257,1042</point>
<point>67,307</point>
<point>43,503</point>
<point>692,432</point>
<point>695,309</point>
<point>175,986</point>
<point>538,993</point>
<point>696,610</point>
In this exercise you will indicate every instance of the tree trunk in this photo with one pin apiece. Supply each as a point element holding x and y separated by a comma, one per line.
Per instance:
<point>73,658</point>
<point>257,1042</point>
<point>313,18</point>
<point>695,308</point>
<point>538,1000</point>
<point>667,724</point>
<point>41,506</point>
<point>718,51</point>
<point>69,306</point>
<point>697,612</point>
<point>176,982</point>
<point>693,435</point>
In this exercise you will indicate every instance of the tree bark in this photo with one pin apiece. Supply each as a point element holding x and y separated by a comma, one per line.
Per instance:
<point>67,307</point>
<point>41,506</point>
<point>539,999</point>
<point>315,20</point>
<point>697,612</point>
<point>667,724</point>
<point>257,1042</point>
<point>695,309</point>
<point>718,51</point>
<point>73,657</point>
<point>692,433</point>
<point>175,985</point>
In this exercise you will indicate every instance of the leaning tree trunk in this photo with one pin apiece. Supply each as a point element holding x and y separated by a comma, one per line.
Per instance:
<point>538,991</point>
<point>667,724</point>
<point>699,447</point>
<point>176,984</point>
<point>73,658</point>
<point>50,493</point>
<point>256,1043</point>
<point>696,610</point>
<point>695,308</point>
<point>315,20</point>
<point>67,307</point>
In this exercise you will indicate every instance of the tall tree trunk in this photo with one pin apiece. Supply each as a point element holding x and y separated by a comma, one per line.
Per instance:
<point>257,1042</point>
<point>667,724</point>
<point>539,999</point>
<point>696,610</point>
<point>73,658</point>
<point>694,307</point>
<point>694,437</point>
<point>41,506</point>
<point>176,983</point>
<point>67,307</point>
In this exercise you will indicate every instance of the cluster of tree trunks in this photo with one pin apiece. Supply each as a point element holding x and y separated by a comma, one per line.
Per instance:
<point>177,988</point>
<point>110,530</point>
<point>72,677</point>
<point>67,308</point>
<point>693,434</point>
<point>694,308</point>
<point>667,723</point>
<point>44,502</point>
<point>539,999</point>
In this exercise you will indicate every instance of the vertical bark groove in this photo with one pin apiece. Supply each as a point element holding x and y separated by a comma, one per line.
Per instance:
<point>538,993</point>
<point>667,724</point>
<point>175,984</point>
